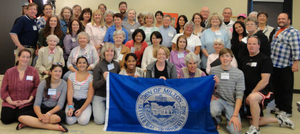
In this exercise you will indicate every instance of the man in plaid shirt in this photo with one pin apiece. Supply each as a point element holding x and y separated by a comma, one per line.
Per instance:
<point>285,54</point>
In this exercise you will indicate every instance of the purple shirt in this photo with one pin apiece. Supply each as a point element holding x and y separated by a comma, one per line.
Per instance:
<point>178,62</point>
<point>69,44</point>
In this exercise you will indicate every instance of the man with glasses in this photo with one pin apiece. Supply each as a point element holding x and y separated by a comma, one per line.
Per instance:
<point>205,14</point>
<point>167,31</point>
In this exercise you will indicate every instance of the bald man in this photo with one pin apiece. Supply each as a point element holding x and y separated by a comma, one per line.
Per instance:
<point>205,14</point>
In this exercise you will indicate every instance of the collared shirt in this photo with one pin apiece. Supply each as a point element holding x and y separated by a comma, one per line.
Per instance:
<point>228,28</point>
<point>47,58</point>
<point>41,22</point>
<point>18,89</point>
<point>118,51</point>
<point>64,26</point>
<point>285,49</point>
<point>70,42</point>
<point>26,30</point>
<point>51,52</point>
<point>88,51</point>
<point>96,34</point>
<point>167,34</point>
<point>109,35</point>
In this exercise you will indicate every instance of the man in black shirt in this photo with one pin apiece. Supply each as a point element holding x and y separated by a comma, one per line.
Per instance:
<point>257,69</point>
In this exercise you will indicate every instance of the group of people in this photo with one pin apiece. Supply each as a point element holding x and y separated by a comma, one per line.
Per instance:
<point>83,46</point>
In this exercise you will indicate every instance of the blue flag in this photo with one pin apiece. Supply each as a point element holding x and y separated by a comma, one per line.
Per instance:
<point>159,106</point>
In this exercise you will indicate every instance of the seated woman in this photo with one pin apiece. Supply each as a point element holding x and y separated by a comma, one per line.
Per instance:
<point>213,59</point>
<point>121,50</point>
<point>148,28</point>
<point>18,88</point>
<point>80,94</point>
<point>137,45</point>
<point>96,30</point>
<point>70,40</point>
<point>85,16</point>
<point>177,55</point>
<point>84,49</point>
<point>49,101</point>
<point>161,68</point>
<point>108,64</point>
<point>48,56</point>
<point>130,66</point>
<point>191,71</point>
<point>155,39</point>
<point>118,19</point>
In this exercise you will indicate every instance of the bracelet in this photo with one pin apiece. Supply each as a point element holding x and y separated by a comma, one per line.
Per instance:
<point>234,116</point>
<point>48,113</point>
<point>70,107</point>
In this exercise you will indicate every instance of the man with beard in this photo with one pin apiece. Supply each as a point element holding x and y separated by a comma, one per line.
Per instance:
<point>123,9</point>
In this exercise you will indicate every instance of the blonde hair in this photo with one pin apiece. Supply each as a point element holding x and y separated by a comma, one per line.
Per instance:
<point>102,17</point>
<point>214,15</point>
<point>106,46</point>
<point>163,48</point>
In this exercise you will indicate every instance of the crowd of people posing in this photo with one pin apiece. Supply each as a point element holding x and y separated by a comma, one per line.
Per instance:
<point>83,46</point>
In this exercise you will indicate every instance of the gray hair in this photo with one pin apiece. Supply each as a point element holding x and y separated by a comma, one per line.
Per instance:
<point>63,9</point>
<point>147,14</point>
<point>189,56</point>
<point>253,12</point>
<point>210,18</point>
<point>166,15</point>
<point>227,8</point>
<point>84,34</point>
<point>52,36</point>
<point>190,23</point>
<point>251,19</point>
<point>117,32</point>
<point>219,40</point>
<point>105,47</point>
<point>107,12</point>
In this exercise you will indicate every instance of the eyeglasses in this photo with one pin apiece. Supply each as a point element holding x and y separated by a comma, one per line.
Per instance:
<point>251,24</point>
<point>57,63</point>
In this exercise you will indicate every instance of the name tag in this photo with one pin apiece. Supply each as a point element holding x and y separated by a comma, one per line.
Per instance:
<point>51,91</point>
<point>120,57</point>
<point>34,28</point>
<point>244,40</point>
<point>73,39</point>
<point>76,87</point>
<point>171,34</point>
<point>110,66</point>
<point>148,31</point>
<point>29,78</point>
<point>225,76</point>
<point>218,33</point>
<point>180,55</point>
<point>132,49</point>
<point>132,30</point>
<point>253,64</point>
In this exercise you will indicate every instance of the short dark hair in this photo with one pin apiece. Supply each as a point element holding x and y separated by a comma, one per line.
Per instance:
<point>159,12</point>
<point>263,12</point>
<point>44,6</point>
<point>84,11</point>
<point>76,6</point>
<point>254,36</point>
<point>157,35</point>
<point>127,56</point>
<point>136,32</point>
<point>225,51</point>
<point>20,53</point>
<point>118,15</point>
<point>122,2</point>
<point>82,57</point>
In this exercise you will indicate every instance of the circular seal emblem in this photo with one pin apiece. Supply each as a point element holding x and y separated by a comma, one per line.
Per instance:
<point>162,108</point>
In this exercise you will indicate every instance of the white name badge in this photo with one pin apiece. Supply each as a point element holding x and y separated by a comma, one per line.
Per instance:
<point>132,49</point>
<point>148,31</point>
<point>51,91</point>
<point>244,40</point>
<point>73,39</point>
<point>180,55</point>
<point>34,28</point>
<point>253,64</point>
<point>120,57</point>
<point>29,78</point>
<point>132,30</point>
<point>110,66</point>
<point>218,33</point>
<point>77,87</point>
<point>171,34</point>
<point>225,76</point>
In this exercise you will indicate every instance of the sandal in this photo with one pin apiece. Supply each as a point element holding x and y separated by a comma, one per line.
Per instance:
<point>63,128</point>
<point>19,126</point>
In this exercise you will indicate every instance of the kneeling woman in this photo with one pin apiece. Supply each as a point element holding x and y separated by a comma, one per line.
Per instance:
<point>161,68</point>
<point>130,66</point>
<point>80,94</point>
<point>50,99</point>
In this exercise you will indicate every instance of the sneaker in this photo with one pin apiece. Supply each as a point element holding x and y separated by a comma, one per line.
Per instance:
<point>283,120</point>
<point>275,110</point>
<point>253,130</point>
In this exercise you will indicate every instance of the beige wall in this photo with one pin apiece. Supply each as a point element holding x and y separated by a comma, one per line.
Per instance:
<point>296,24</point>
<point>186,7</point>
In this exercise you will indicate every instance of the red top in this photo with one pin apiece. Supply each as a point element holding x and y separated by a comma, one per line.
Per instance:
<point>139,53</point>
<point>18,89</point>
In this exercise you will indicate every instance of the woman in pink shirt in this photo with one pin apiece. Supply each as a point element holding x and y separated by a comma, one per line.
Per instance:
<point>18,88</point>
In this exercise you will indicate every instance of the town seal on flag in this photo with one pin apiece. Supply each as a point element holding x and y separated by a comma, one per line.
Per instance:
<point>162,108</point>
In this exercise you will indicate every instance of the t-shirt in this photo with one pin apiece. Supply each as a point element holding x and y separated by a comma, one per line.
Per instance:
<point>253,67</point>
<point>80,88</point>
